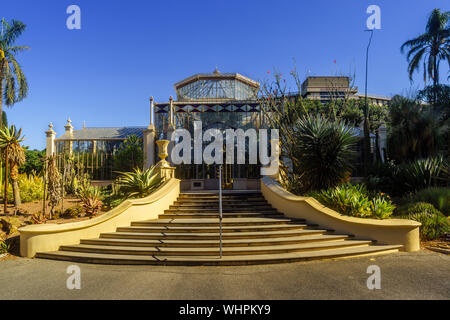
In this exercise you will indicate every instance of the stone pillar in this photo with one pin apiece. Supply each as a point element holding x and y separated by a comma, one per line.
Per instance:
<point>149,140</point>
<point>69,133</point>
<point>163,168</point>
<point>50,146</point>
<point>171,128</point>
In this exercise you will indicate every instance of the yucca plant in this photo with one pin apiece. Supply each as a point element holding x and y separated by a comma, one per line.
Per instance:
<point>325,150</point>
<point>420,174</point>
<point>10,137</point>
<point>139,183</point>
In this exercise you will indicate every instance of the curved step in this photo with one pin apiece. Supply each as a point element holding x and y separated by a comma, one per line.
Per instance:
<point>216,215</point>
<point>214,243</point>
<point>227,251</point>
<point>216,261</point>
<point>188,234</point>
<point>215,222</point>
<point>225,229</point>
<point>211,236</point>
<point>224,210</point>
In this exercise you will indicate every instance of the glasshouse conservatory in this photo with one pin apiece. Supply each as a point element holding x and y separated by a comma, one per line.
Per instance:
<point>218,100</point>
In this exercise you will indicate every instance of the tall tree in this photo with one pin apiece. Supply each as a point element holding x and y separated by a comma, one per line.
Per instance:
<point>432,46</point>
<point>9,139</point>
<point>13,83</point>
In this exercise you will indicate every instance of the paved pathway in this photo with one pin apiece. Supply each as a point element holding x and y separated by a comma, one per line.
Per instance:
<point>421,275</point>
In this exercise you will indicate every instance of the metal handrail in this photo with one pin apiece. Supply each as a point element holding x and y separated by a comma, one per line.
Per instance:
<point>220,210</point>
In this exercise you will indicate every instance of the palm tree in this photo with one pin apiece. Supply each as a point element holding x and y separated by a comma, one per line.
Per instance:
<point>433,46</point>
<point>9,139</point>
<point>13,83</point>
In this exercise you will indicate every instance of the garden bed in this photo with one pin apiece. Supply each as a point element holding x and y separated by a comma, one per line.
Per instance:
<point>23,217</point>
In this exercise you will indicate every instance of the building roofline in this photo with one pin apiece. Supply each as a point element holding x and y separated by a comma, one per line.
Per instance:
<point>217,76</point>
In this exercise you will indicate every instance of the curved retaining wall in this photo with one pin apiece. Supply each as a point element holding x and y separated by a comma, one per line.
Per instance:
<point>49,237</point>
<point>389,231</point>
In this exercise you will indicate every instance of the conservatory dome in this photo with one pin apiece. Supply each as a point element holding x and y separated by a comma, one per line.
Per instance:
<point>216,86</point>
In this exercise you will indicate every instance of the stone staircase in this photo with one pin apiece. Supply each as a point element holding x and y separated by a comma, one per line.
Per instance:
<point>188,234</point>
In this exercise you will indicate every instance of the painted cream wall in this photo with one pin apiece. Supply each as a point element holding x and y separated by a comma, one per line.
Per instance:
<point>49,237</point>
<point>388,231</point>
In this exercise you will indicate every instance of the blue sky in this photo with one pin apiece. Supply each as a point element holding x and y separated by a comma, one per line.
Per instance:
<point>127,51</point>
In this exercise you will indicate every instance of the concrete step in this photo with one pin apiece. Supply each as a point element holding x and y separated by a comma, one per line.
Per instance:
<point>214,243</point>
<point>212,235</point>
<point>216,215</point>
<point>188,234</point>
<point>216,201</point>
<point>225,229</point>
<point>228,210</point>
<point>227,251</point>
<point>241,206</point>
<point>86,257</point>
<point>205,222</point>
<point>224,198</point>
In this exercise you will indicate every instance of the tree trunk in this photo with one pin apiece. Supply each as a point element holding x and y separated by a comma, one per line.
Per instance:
<point>15,186</point>
<point>1,94</point>
<point>16,193</point>
<point>5,200</point>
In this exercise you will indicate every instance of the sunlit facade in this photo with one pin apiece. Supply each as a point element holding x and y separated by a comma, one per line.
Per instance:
<point>218,100</point>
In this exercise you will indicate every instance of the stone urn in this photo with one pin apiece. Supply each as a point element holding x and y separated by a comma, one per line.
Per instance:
<point>162,149</point>
<point>165,171</point>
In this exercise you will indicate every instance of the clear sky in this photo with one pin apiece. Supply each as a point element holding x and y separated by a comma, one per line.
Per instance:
<point>127,51</point>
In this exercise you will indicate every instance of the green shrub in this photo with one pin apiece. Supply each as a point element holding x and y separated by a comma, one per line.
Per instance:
<point>381,207</point>
<point>31,188</point>
<point>356,201</point>
<point>434,223</point>
<point>73,212</point>
<point>438,197</point>
<point>4,247</point>
<point>112,201</point>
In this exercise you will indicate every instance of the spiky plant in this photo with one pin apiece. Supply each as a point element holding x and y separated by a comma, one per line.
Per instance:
<point>139,183</point>
<point>325,151</point>
<point>9,136</point>
<point>432,46</point>
<point>91,200</point>
<point>13,83</point>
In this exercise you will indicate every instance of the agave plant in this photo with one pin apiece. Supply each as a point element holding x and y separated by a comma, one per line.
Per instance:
<point>356,201</point>
<point>91,200</point>
<point>139,183</point>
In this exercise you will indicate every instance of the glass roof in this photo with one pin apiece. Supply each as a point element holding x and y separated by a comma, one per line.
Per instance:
<point>215,86</point>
